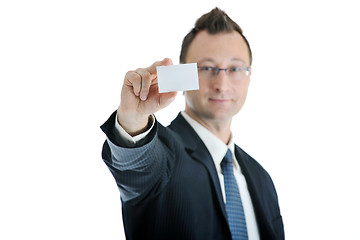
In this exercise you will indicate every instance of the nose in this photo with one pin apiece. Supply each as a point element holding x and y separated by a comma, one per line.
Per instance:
<point>222,69</point>
<point>221,81</point>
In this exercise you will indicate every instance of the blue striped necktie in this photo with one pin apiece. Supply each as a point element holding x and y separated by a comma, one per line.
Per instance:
<point>234,207</point>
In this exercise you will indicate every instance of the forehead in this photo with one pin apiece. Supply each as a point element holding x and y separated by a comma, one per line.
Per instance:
<point>220,47</point>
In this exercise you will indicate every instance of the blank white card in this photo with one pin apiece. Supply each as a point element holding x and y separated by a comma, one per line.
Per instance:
<point>182,77</point>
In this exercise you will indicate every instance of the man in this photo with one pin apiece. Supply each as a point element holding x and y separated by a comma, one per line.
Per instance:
<point>173,181</point>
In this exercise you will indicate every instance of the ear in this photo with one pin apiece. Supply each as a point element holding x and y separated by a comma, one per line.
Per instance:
<point>250,71</point>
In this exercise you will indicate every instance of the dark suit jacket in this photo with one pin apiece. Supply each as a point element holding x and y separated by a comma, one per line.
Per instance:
<point>170,189</point>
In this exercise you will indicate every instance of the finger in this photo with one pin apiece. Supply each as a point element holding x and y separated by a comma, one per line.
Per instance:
<point>133,79</point>
<point>146,78</point>
<point>165,62</point>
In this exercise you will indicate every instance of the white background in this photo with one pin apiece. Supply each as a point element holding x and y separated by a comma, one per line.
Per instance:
<point>61,70</point>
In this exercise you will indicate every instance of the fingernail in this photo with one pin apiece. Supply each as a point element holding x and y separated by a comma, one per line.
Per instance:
<point>143,97</point>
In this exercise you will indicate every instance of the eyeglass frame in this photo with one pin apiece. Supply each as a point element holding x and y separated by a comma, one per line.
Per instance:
<point>216,70</point>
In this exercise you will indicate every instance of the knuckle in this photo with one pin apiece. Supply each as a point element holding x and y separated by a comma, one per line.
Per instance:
<point>143,72</point>
<point>133,76</point>
<point>146,75</point>
<point>128,74</point>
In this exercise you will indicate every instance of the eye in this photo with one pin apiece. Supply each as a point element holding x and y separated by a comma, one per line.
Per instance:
<point>206,69</point>
<point>235,69</point>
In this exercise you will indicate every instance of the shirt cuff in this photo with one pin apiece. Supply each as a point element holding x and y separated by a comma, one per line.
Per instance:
<point>133,139</point>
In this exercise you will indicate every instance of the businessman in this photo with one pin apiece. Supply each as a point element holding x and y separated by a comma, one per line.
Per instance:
<point>189,180</point>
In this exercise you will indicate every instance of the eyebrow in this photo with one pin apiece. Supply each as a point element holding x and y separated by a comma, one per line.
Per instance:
<point>238,59</point>
<point>207,60</point>
<point>213,61</point>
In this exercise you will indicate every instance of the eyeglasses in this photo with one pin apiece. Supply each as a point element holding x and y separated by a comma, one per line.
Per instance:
<point>236,73</point>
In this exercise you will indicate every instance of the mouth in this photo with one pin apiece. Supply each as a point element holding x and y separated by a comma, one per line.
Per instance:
<point>219,100</point>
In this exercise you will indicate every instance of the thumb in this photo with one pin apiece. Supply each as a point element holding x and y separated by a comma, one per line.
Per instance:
<point>166,62</point>
<point>166,98</point>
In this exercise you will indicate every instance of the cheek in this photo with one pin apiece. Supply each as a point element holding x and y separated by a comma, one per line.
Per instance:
<point>242,88</point>
<point>203,84</point>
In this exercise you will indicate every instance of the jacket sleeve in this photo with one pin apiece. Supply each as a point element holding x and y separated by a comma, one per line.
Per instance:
<point>141,171</point>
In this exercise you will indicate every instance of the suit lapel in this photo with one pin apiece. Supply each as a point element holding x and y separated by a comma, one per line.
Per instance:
<point>198,151</point>
<point>252,176</point>
<point>202,155</point>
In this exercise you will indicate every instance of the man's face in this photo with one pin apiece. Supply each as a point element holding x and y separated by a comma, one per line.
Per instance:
<point>219,97</point>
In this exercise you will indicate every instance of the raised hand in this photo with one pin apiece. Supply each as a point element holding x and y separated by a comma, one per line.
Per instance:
<point>140,98</point>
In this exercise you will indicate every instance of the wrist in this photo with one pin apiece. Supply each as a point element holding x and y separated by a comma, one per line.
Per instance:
<point>133,124</point>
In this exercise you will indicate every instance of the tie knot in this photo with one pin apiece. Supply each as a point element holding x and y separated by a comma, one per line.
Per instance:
<point>228,157</point>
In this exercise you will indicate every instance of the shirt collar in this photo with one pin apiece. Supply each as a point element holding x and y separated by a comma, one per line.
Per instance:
<point>215,146</point>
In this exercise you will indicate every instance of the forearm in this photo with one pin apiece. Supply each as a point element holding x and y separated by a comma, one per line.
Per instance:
<point>137,170</point>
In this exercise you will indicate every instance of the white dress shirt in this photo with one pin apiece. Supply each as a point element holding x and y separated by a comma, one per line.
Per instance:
<point>217,149</point>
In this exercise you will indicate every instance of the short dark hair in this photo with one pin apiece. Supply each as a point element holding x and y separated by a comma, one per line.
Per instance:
<point>215,21</point>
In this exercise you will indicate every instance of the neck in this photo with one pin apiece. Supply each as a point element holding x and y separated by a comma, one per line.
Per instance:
<point>220,128</point>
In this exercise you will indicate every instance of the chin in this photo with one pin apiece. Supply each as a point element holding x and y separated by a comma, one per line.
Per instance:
<point>221,116</point>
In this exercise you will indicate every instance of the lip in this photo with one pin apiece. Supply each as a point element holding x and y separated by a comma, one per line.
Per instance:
<point>219,100</point>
